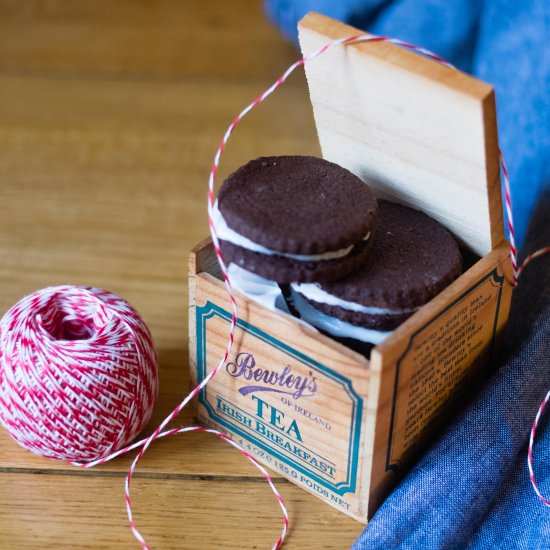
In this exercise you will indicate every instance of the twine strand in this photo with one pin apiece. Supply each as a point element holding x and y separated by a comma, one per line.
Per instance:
<point>158,433</point>
<point>216,245</point>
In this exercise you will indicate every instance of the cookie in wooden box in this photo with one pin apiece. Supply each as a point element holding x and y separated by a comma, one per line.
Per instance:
<point>340,425</point>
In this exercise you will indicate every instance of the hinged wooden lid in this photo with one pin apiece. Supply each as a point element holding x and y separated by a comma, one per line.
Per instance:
<point>419,132</point>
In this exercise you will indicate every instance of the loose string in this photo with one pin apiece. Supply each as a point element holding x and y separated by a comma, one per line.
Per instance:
<point>530,451</point>
<point>542,406</point>
<point>145,443</point>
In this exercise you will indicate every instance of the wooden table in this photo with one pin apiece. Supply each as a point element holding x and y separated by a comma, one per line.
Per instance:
<point>109,116</point>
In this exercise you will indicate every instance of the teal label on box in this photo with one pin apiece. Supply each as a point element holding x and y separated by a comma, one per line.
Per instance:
<point>442,360</point>
<point>275,401</point>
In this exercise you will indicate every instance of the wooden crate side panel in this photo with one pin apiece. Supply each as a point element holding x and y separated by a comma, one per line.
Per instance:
<point>419,133</point>
<point>430,363</point>
<point>310,429</point>
<point>369,451</point>
<point>201,259</point>
<point>492,158</point>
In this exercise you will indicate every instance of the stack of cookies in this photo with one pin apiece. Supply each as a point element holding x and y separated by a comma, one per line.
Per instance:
<point>350,265</point>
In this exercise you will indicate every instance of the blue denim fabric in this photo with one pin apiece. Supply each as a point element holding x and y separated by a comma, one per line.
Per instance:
<point>504,42</point>
<point>471,489</point>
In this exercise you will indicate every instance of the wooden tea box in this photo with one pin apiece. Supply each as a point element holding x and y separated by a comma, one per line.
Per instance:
<point>330,420</point>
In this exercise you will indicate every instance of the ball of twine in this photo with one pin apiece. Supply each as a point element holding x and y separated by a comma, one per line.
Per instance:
<point>78,373</point>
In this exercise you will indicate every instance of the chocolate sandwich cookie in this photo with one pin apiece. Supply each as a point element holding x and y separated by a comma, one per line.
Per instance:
<point>412,259</point>
<point>295,218</point>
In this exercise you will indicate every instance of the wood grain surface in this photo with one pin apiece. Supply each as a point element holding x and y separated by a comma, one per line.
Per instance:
<point>419,132</point>
<point>110,114</point>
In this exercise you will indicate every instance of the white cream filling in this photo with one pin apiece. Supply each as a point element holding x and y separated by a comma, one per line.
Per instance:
<point>334,326</point>
<point>314,292</point>
<point>268,294</point>
<point>263,291</point>
<point>225,233</point>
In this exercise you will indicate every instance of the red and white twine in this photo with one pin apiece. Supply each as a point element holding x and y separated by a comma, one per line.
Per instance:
<point>530,450</point>
<point>97,399</point>
<point>78,373</point>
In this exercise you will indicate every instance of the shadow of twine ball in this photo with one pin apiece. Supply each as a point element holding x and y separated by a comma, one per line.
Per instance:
<point>78,373</point>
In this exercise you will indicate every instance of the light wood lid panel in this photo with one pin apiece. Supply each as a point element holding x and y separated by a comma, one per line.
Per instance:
<point>420,133</point>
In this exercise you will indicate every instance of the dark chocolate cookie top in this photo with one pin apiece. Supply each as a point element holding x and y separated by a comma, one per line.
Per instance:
<point>412,259</point>
<point>298,205</point>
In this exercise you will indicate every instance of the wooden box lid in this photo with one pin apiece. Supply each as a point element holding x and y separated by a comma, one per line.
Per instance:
<point>420,133</point>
